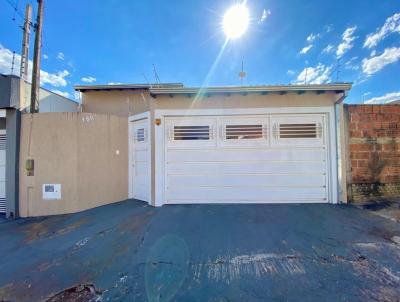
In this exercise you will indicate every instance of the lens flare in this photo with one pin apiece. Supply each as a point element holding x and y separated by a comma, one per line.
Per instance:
<point>236,21</point>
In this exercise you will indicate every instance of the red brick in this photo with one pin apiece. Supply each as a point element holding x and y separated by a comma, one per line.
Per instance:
<point>361,155</point>
<point>360,147</point>
<point>367,108</point>
<point>354,117</point>
<point>376,109</point>
<point>366,125</point>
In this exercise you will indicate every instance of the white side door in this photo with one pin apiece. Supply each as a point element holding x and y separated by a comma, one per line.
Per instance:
<point>140,163</point>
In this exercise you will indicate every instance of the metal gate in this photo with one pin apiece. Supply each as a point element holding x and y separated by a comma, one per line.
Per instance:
<point>3,141</point>
<point>271,158</point>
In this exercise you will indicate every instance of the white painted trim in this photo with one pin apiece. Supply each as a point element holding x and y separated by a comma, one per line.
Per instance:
<point>159,169</point>
<point>160,146</point>
<point>239,111</point>
<point>131,119</point>
<point>139,116</point>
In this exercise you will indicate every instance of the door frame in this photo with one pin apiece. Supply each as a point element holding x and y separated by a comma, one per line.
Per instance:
<point>131,120</point>
<point>160,145</point>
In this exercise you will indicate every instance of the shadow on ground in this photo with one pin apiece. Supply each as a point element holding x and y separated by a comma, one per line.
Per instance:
<point>132,252</point>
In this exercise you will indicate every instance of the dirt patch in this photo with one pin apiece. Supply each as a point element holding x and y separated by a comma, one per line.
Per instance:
<point>50,227</point>
<point>80,293</point>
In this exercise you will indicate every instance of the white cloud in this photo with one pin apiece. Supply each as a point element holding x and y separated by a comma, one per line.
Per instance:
<point>54,79</point>
<point>347,41</point>
<point>264,15</point>
<point>62,93</point>
<point>114,83</point>
<point>374,64</point>
<point>88,79</point>
<point>373,53</point>
<point>350,64</point>
<point>387,98</point>
<point>290,72</point>
<point>328,28</point>
<point>328,49</point>
<point>60,56</point>
<point>312,37</point>
<point>314,75</point>
<point>306,49</point>
<point>45,56</point>
<point>77,95</point>
<point>392,25</point>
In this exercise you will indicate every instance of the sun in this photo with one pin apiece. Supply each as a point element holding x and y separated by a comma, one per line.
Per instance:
<point>236,21</point>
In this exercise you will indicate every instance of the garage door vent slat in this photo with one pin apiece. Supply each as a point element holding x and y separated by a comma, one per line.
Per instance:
<point>298,130</point>
<point>243,131</point>
<point>192,132</point>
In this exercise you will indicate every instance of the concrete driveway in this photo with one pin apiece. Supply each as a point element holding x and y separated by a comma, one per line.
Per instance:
<point>132,252</point>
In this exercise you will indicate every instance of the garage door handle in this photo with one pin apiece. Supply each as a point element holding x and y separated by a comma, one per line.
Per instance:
<point>275,131</point>
<point>319,130</point>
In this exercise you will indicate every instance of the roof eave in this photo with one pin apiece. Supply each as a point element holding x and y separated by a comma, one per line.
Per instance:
<point>337,88</point>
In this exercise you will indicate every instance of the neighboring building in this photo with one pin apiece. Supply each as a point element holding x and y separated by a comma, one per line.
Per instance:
<point>256,144</point>
<point>14,100</point>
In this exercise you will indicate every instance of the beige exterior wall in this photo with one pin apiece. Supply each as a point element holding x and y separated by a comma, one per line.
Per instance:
<point>251,100</point>
<point>86,153</point>
<point>121,103</point>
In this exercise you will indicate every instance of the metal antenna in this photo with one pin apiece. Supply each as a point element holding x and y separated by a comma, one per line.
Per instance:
<point>338,70</point>
<point>147,80</point>
<point>305,78</point>
<point>156,75</point>
<point>12,64</point>
<point>242,75</point>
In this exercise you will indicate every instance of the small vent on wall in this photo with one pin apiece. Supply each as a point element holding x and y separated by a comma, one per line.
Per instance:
<point>140,135</point>
<point>3,141</point>
<point>243,131</point>
<point>192,132</point>
<point>299,130</point>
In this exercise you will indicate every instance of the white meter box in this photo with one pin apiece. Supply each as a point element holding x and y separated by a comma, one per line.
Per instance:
<point>51,191</point>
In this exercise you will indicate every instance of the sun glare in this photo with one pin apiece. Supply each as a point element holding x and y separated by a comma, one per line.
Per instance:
<point>236,21</point>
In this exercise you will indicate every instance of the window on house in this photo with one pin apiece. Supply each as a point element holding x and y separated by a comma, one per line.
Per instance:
<point>243,131</point>
<point>191,132</point>
<point>140,136</point>
<point>298,130</point>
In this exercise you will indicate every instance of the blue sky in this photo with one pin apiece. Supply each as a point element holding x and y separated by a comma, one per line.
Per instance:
<point>117,41</point>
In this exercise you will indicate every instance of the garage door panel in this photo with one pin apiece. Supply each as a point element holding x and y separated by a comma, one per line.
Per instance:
<point>212,168</point>
<point>241,193</point>
<point>269,158</point>
<point>222,154</point>
<point>254,181</point>
<point>141,155</point>
<point>142,169</point>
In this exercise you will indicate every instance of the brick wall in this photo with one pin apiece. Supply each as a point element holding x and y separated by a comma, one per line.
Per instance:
<point>374,150</point>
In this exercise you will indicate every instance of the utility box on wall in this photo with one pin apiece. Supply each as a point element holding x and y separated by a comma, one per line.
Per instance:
<point>51,191</point>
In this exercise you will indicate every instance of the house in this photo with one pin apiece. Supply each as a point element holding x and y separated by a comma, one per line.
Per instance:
<point>14,100</point>
<point>242,144</point>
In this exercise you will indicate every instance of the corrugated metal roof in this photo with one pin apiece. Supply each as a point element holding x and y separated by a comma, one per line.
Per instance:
<point>336,87</point>
<point>178,88</point>
<point>84,88</point>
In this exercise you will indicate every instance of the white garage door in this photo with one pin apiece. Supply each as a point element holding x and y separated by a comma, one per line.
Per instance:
<point>246,159</point>
<point>140,168</point>
<point>3,140</point>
